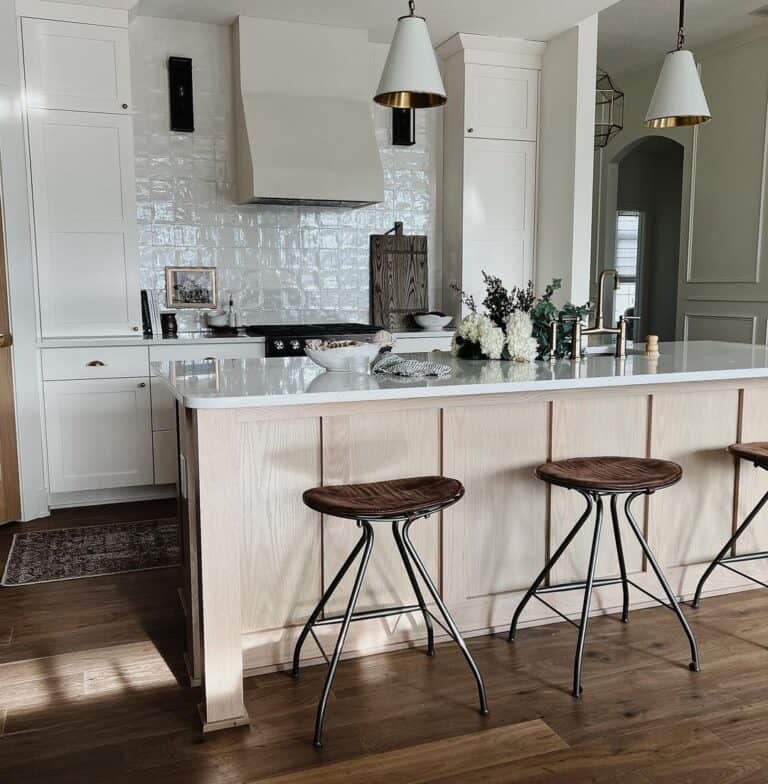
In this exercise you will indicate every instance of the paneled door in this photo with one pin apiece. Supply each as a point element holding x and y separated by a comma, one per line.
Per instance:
<point>499,202</point>
<point>502,103</point>
<point>84,196</point>
<point>10,498</point>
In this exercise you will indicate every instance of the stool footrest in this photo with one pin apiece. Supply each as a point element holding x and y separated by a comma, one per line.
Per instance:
<point>365,615</point>
<point>744,557</point>
<point>579,586</point>
<point>744,574</point>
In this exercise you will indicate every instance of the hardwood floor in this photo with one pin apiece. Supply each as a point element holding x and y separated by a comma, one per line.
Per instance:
<point>89,691</point>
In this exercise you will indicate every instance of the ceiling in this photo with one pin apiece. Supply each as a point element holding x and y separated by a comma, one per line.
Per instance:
<point>534,19</point>
<point>637,33</point>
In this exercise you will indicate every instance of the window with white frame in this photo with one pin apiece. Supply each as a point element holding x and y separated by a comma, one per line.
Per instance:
<point>629,227</point>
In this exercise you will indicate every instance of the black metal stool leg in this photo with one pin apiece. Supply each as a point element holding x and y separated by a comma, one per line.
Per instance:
<point>416,588</point>
<point>622,563</point>
<point>334,663</point>
<point>729,544</point>
<point>548,568</point>
<point>452,628</point>
<point>321,604</point>
<point>695,664</point>
<point>577,688</point>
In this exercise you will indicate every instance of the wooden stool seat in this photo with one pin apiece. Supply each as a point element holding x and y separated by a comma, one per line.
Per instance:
<point>757,452</point>
<point>395,499</point>
<point>611,474</point>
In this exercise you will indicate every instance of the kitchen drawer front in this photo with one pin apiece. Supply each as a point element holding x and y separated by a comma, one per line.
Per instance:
<point>210,351</point>
<point>419,345</point>
<point>166,457</point>
<point>98,434</point>
<point>64,364</point>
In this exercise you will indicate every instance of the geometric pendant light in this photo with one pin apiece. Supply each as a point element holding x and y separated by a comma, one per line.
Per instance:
<point>411,77</point>
<point>678,99</point>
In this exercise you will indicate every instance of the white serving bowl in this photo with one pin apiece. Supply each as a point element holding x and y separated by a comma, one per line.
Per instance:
<point>355,358</point>
<point>432,321</point>
<point>217,318</point>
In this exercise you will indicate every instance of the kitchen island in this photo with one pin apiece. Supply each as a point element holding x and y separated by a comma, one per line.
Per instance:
<point>254,434</point>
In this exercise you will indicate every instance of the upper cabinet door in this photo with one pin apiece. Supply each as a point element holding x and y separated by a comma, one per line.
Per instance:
<point>74,66</point>
<point>84,198</point>
<point>502,103</point>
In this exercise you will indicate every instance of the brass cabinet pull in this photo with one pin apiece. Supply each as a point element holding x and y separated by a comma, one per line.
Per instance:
<point>209,359</point>
<point>96,363</point>
<point>6,340</point>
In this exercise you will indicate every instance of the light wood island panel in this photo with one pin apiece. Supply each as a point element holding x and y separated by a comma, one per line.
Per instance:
<point>264,557</point>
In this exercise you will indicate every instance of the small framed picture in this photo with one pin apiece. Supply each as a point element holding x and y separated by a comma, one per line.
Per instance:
<point>190,287</point>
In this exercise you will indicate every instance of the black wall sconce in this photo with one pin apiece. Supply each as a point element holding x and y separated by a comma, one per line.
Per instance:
<point>180,88</point>
<point>404,127</point>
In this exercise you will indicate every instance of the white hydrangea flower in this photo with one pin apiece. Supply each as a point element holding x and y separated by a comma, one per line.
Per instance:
<point>491,339</point>
<point>521,344</point>
<point>470,327</point>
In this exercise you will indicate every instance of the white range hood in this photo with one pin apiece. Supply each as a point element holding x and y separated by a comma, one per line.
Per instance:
<point>305,131</point>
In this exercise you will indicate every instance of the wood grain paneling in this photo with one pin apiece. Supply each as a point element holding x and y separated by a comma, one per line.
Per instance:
<point>367,449</point>
<point>495,540</point>
<point>689,522</point>
<point>280,536</point>
<point>585,428</point>
<point>753,482</point>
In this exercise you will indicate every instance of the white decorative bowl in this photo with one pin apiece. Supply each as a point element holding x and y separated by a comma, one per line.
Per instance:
<point>356,359</point>
<point>217,318</point>
<point>432,321</point>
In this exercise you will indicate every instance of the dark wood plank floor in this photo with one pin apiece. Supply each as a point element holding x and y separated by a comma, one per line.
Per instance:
<point>89,691</point>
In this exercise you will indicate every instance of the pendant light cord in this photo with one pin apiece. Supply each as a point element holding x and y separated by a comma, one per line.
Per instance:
<point>681,27</point>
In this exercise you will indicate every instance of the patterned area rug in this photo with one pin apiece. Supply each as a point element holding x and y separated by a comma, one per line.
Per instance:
<point>92,551</point>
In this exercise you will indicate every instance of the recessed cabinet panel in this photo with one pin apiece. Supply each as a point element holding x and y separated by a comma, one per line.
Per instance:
<point>76,66</point>
<point>502,103</point>
<point>499,195</point>
<point>166,456</point>
<point>85,222</point>
<point>99,434</point>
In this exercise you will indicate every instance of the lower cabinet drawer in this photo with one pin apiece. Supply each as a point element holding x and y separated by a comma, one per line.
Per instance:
<point>99,434</point>
<point>206,351</point>
<point>60,364</point>
<point>166,457</point>
<point>419,345</point>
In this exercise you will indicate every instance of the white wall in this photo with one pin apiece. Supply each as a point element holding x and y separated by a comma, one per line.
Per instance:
<point>565,161</point>
<point>281,263</point>
<point>13,192</point>
<point>722,285</point>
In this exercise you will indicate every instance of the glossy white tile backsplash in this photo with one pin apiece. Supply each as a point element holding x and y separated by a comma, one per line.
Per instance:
<point>281,264</point>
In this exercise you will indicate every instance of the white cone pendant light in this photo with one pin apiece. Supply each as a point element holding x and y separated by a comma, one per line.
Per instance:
<point>411,77</point>
<point>678,99</point>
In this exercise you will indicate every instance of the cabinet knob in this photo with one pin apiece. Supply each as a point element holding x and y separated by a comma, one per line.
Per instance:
<point>96,363</point>
<point>135,329</point>
<point>142,384</point>
<point>209,359</point>
<point>470,130</point>
<point>125,106</point>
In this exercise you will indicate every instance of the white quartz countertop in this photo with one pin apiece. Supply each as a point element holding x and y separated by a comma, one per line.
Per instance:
<point>291,381</point>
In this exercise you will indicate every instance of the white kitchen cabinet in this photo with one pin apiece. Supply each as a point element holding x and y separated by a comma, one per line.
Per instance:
<point>419,345</point>
<point>84,197</point>
<point>99,434</point>
<point>501,103</point>
<point>166,457</point>
<point>500,194</point>
<point>490,164</point>
<point>78,67</point>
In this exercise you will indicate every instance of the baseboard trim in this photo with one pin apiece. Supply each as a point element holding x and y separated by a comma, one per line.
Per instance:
<point>119,495</point>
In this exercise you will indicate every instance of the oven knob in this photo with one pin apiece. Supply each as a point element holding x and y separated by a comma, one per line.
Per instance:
<point>279,345</point>
<point>295,345</point>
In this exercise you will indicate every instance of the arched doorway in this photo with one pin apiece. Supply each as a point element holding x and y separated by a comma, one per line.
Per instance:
<point>646,247</point>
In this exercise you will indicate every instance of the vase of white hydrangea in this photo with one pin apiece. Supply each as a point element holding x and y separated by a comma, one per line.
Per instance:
<point>515,325</point>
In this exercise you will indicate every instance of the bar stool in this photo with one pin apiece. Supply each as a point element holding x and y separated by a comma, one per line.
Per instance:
<point>401,502</point>
<point>595,478</point>
<point>756,453</point>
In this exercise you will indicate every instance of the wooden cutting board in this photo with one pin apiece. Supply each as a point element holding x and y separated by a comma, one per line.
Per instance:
<point>399,281</point>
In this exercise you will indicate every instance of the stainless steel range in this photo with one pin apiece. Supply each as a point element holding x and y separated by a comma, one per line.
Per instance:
<point>288,340</point>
